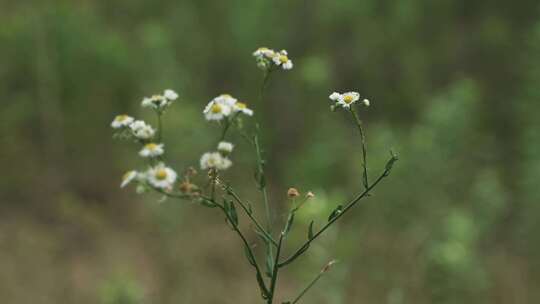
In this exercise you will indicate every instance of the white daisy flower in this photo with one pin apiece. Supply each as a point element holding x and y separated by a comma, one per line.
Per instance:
<point>216,111</point>
<point>282,59</point>
<point>160,101</point>
<point>264,52</point>
<point>170,94</point>
<point>242,107</point>
<point>141,130</point>
<point>225,147</point>
<point>226,99</point>
<point>161,176</point>
<point>156,102</point>
<point>151,150</point>
<point>121,121</point>
<point>128,177</point>
<point>345,100</point>
<point>334,96</point>
<point>214,160</point>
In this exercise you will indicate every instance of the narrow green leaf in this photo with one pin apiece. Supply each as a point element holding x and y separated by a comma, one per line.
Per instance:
<point>310,230</point>
<point>207,203</point>
<point>262,236</point>
<point>233,215</point>
<point>290,221</point>
<point>249,256</point>
<point>269,262</point>
<point>335,213</point>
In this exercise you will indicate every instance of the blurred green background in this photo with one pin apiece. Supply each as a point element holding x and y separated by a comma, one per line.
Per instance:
<point>454,87</point>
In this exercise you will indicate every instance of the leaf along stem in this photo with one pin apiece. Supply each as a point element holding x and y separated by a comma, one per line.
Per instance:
<point>304,247</point>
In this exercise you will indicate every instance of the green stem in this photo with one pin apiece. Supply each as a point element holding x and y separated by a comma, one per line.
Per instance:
<point>250,215</point>
<point>160,127</point>
<point>275,270</point>
<point>363,138</point>
<point>308,287</point>
<point>351,204</point>
<point>255,265</point>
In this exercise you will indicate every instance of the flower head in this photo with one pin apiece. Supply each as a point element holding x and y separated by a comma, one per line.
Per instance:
<point>267,58</point>
<point>225,147</point>
<point>121,121</point>
<point>151,150</point>
<point>160,102</point>
<point>161,176</point>
<point>216,110</point>
<point>141,130</point>
<point>345,100</point>
<point>282,59</point>
<point>214,160</point>
<point>128,177</point>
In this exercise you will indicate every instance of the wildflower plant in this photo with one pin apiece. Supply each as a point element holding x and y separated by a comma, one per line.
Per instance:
<point>213,191</point>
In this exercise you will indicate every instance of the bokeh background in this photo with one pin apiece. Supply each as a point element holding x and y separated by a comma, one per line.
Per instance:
<point>454,87</point>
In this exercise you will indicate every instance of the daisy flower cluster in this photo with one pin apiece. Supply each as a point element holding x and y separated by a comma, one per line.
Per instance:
<point>224,106</point>
<point>346,100</point>
<point>267,59</point>
<point>160,102</point>
<point>217,160</point>
<point>157,175</point>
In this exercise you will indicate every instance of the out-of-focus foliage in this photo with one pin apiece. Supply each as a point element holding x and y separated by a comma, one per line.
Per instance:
<point>454,87</point>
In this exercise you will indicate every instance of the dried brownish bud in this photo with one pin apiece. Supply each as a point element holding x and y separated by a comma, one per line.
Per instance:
<point>187,187</point>
<point>191,171</point>
<point>293,192</point>
<point>328,266</point>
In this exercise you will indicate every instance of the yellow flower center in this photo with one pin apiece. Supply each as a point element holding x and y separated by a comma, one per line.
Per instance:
<point>283,58</point>
<point>151,146</point>
<point>161,174</point>
<point>348,98</point>
<point>241,105</point>
<point>121,118</point>
<point>215,108</point>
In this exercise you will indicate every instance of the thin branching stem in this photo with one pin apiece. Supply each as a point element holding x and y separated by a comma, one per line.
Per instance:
<point>351,204</point>
<point>255,265</point>
<point>249,213</point>
<point>308,287</point>
<point>358,123</point>
<point>275,270</point>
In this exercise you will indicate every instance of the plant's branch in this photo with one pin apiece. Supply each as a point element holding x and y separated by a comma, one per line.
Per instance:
<point>229,190</point>
<point>351,204</point>
<point>358,123</point>
<point>313,282</point>
<point>253,261</point>
<point>160,127</point>
<point>275,271</point>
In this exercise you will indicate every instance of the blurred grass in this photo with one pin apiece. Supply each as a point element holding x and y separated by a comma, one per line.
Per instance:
<point>454,89</point>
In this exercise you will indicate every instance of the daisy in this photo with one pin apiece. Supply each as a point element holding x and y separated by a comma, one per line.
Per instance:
<point>242,107</point>
<point>121,121</point>
<point>226,99</point>
<point>161,176</point>
<point>141,130</point>
<point>214,160</point>
<point>170,95</point>
<point>128,177</point>
<point>216,110</point>
<point>345,100</point>
<point>151,150</point>
<point>225,147</point>
<point>160,101</point>
<point>264,52</point>
<point>156,102</point>
<point>282,59</point>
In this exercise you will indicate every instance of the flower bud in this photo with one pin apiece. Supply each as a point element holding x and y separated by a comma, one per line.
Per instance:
<point>292,192</point>
<point>310,195</point>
